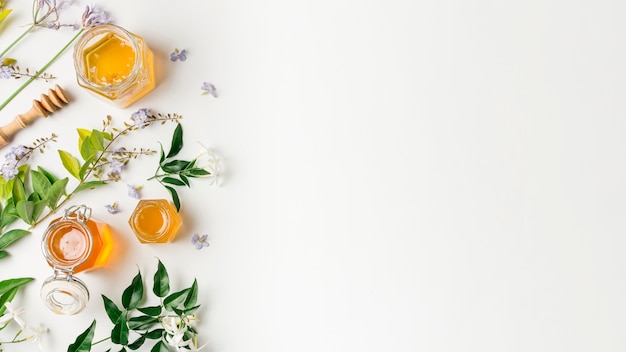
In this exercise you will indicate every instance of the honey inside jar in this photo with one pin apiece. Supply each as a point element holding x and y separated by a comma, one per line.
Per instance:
<point>114,64</point>
<point>155,221</point>
<point>109,61</point>
<point>68,244</point>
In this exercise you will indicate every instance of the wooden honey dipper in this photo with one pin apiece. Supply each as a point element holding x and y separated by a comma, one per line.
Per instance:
<point>47,104</point>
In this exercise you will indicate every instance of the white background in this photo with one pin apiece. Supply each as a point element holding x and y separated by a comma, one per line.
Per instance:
<point>398,175</point>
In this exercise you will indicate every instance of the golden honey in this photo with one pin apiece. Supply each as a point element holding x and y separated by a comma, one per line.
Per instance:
<point>69,245</point>
<point>114,64</point>
<point>155,221</point>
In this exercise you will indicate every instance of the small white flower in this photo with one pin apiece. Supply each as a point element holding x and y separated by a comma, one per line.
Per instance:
<point>12,313</point>
<point>208,161</point>
<point>36,333</point>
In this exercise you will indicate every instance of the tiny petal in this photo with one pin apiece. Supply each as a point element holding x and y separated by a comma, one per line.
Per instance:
<point>133,191</point>
<point>112,208</point>
<point>199,241</point>
<point>208,88</point>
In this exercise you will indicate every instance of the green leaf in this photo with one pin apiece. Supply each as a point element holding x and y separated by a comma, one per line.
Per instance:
<point>192,295</point>
<point>90,184</point>
<point>173,181</point>
<point>41,184</point>
<point>7,297</point>
<point>71,164</point>
<point>48,175</point>
<point>9,214</point>
<point>83,134</point>
<point>85,167</point>
<point>97,140</point>
<point>175,166</point>
<point>4,14</point>
<point>153,311</point>
<point>141,322</point>
<point>83,341</point>
<point>197,172</point>
<point>137,343</point>
<point>11,236</point>
<point>111,309</point>
<point>185,180</point>
<point>162,157</point>
<point>86,150</point>
<point>175,198</point>
<point>175,299</point>
<point>161,286</point>
<point>3,254</point>
<point>177,141</point>
<point>57,190</point>
<point>38,208</point>
<point>19,193</point>
<point>119,334</point>
<point>155,334</point>
<point>160,347</point>
<point>6,285</point>
<point>133,294</point>
<point>24,210</point>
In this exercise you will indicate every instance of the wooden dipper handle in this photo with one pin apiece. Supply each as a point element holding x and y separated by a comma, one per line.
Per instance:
<point>47,104</point>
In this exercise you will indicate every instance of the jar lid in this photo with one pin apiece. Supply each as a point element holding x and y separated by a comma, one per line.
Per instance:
<point>67,243</point>
<point>64,294</point>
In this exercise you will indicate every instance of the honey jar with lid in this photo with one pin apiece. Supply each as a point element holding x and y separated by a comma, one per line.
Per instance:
<point>155,221</point>
<point>72,244</point>
<point>114,64</point>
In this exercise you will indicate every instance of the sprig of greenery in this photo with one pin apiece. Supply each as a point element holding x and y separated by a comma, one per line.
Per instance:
<point>177,172</point>
<point>169,323</point>
<point>34,194</point>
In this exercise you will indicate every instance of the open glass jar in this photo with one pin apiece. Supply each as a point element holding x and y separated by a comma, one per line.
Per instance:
<point>155,221</point>
<point>71,244</point>
<point>114,64</point>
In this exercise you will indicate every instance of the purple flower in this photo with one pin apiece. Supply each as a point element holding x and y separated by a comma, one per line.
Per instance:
<point>116,166</point>
<point>208,88</point>
<point>140,118</point>
<point>133,191</point>
<point>19,151</point>
<point>178,55</point>
<point>94,16</point>
<point>112,208</point>
<point>6,72</point>
<point>9,170</point>
<point>199,241</point>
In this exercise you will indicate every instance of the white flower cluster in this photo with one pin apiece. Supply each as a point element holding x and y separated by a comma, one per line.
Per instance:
<point>27,332</point>
<point>178,331</point>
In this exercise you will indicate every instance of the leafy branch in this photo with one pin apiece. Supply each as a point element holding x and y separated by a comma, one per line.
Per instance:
<point>33,195</point>
<point>170,323</point>
<point>177,172</point>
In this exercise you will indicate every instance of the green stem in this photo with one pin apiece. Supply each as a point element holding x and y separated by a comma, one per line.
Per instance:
<point>17,40</point>
<point>45,67</point>
<point>100,341</point>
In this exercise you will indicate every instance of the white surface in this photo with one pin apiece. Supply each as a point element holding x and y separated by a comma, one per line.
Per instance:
<point>398,175</point>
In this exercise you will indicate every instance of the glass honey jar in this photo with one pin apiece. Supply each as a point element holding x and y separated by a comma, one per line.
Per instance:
<point>72,244</point>
<point>155,221</point>
<point>114,64</point>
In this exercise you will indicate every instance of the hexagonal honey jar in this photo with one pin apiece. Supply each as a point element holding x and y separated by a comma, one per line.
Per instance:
<point>155,221</point>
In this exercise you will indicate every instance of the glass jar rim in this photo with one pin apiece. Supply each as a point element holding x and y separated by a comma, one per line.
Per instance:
<point>96,32</point>
<point>64,294</point>
<point>56,261</point>
<point>163,211</point>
